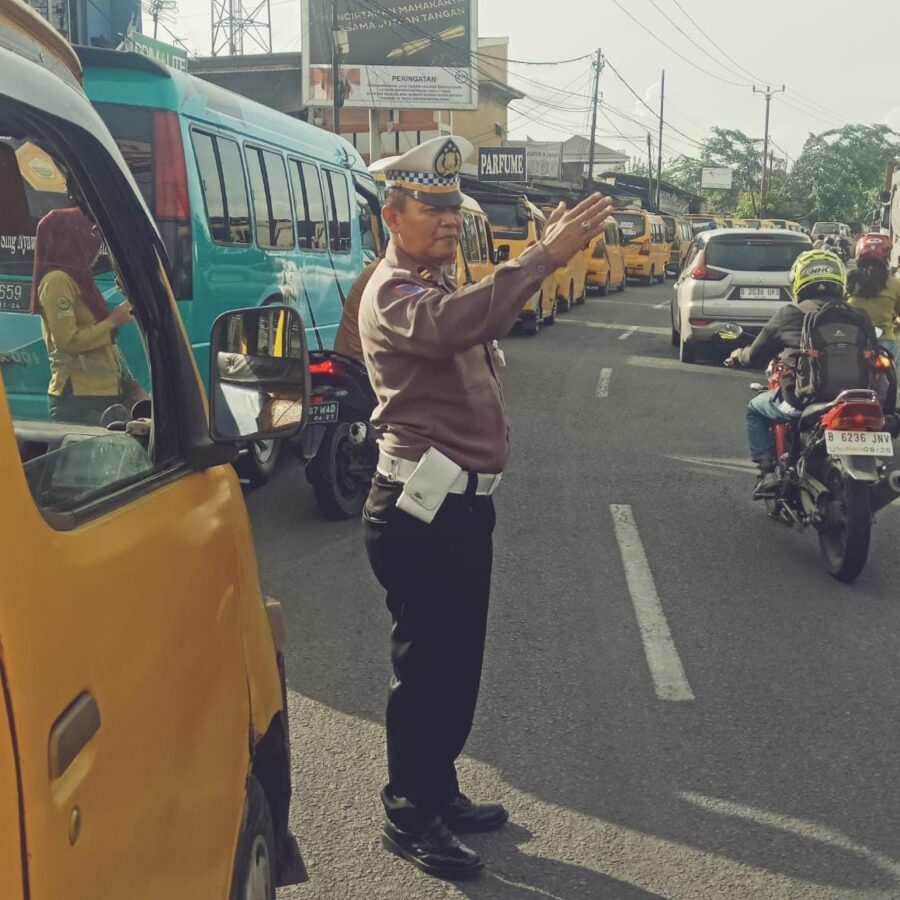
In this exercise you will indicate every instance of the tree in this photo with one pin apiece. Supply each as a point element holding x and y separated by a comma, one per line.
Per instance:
<point>839,173</point>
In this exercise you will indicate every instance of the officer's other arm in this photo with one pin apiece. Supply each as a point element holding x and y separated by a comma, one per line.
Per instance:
<point>58,299</point>
<point>768,342</point>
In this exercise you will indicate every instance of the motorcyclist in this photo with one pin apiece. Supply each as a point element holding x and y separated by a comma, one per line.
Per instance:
<point>871,288</point>
<point>817,277</point>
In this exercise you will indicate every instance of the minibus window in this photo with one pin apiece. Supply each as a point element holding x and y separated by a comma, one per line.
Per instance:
<point>210,179</point>
<point>281,216</point>
<point>507,219</point>
<point>132,128</point>
<point>367,225</point>
<point>482,239</point>
<point>237,204</point>
<point>338,203</point>
<point>314,228</point>
<point>632,225</point>
<point>264,227</point>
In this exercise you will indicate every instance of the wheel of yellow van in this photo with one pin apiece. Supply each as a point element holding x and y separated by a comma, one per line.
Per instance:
<point>255,861</point>
<point>604,288</point>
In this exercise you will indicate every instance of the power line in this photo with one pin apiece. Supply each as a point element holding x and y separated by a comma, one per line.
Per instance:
<point>671,49</point>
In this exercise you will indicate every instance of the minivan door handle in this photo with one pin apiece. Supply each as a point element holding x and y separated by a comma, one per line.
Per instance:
<point>76,725</point>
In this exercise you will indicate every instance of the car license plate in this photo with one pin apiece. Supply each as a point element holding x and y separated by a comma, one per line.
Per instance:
<point>324,413</point>
<point>859,443</point>
<point>759,293</point>
<point>15,296</point>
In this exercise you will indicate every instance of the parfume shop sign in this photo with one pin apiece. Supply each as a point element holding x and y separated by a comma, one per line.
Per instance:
<point>502,164</point>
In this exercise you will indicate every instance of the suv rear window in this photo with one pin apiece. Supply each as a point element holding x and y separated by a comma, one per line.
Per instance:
<point>742,254</point>
<point>509,219</point>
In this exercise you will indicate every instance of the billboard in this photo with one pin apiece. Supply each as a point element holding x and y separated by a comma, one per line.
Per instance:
<point>716,178</point>
<point>544,158</point>
<point>176,57</point>
<point>402,54</point>
<point>502,164</point>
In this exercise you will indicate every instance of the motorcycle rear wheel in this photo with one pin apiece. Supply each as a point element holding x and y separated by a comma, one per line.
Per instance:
<point>339,493</point>
<point>846,531</point>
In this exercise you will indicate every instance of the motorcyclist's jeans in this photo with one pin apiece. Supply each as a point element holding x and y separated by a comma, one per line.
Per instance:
<point>762,412</point>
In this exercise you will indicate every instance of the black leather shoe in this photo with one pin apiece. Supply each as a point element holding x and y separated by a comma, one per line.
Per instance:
<point>435,850</point>
<point>462,815</point>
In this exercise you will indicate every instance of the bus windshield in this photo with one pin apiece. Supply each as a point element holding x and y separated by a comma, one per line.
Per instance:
<point>507,219</point>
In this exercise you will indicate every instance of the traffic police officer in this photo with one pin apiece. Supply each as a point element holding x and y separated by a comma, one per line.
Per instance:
<point>428,349</point>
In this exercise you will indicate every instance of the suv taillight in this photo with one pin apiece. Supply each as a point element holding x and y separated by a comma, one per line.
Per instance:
<point>702,272</point>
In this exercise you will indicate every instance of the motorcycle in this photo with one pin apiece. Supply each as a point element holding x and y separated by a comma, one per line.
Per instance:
<point>338,445</point>
<point>832,468</point>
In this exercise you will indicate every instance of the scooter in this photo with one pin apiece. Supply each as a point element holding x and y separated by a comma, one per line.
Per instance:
<point>339,446</point>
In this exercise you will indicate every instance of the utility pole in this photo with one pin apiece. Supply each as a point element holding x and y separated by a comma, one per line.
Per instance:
<point>598,65</point>
<point>649,171</point>
<point>662,106</point>
<point>337,83</point>
<point>769,94</point>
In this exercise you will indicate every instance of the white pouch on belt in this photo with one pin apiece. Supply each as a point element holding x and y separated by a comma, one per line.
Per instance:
<point>426,489</point>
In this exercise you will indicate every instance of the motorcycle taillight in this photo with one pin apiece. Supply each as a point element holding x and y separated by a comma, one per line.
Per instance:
<point>324,367</point>
<point>862,415</point>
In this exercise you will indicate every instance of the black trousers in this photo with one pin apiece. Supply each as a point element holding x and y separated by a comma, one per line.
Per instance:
<point>437,579</point>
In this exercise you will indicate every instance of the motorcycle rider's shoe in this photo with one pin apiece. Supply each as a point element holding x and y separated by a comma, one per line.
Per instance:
<point>434,849</point>
<point>766,485</point>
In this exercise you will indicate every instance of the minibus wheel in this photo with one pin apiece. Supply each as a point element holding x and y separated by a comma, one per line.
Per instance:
<point>258,464</point>
<point>255,860</point>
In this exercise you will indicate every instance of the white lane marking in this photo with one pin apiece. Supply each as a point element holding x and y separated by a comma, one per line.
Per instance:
<point>673,365</point>
<point>606,301</point>
<point>627,334</point>
<point>662,657</point>
<point>729,465</point>
<point>615,326</point>
<point>662,306</point>
<point>602,389</point>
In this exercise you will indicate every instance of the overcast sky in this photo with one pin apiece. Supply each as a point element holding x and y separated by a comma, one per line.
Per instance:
<point>837,65</point>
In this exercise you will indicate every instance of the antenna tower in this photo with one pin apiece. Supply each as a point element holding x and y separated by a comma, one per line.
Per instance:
<point>238,28</point>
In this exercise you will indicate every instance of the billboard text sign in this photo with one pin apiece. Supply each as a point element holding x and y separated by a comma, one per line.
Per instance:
<point>544,158</point>
<point>403,54</point>
<point>502,164</point>
<point>176,57</point>
<point>716,178</point>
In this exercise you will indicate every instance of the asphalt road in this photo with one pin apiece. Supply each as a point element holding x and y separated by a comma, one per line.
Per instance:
<point>677,699</point>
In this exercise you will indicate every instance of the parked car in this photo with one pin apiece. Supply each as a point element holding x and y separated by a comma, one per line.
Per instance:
<point>735,276</point>
<point>606,260</point>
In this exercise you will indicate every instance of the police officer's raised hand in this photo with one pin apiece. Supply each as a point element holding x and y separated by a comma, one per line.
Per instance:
<point>570,230</point>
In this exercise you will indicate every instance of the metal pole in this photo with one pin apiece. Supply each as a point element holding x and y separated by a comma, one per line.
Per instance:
<point>649,171</point>
<point>591,149</point>
<point>769,93</point>
<point>662,106</point>
<point>337,86</point>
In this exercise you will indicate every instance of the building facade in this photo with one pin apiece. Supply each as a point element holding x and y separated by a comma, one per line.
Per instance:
<point>91,23</point>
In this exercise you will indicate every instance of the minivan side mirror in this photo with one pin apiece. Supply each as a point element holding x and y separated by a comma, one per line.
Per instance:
<point>259,382</point>
<point>502,254</point>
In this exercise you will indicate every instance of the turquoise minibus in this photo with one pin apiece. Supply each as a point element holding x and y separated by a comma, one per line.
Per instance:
<point>254,207</point>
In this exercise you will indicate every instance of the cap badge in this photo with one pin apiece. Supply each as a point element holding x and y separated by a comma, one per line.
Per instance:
<point>448,161</point>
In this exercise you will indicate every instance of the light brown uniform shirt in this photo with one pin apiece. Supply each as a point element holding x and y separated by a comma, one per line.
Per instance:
<point>425,345</point>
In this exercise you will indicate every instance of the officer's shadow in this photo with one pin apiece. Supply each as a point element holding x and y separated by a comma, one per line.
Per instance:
<point>511,874</point>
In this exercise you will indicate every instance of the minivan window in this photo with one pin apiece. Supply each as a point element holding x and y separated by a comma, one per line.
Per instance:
<point>632,225</point>
<point>210,181</point>
<point>261,217</point>
<point>237,204</point>
<point>367,225</point>
<point>507,219</point>
<point>754,254</point>
<point>132,129</point>
<point>279,200</point>
<point>337,202</point>
<point>311,218</point>
<point>469,238</point>
<point>482,239</point>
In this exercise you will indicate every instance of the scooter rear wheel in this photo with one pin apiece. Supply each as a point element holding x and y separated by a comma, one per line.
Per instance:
<point>339,492</point>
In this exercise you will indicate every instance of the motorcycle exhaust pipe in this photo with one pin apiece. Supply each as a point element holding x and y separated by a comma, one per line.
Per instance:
<point>886,492</point>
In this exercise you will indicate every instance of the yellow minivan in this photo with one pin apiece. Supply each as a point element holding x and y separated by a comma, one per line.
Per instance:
<point>144,746</point>
<point>517,224</point>
<point>571,279</point>
<point>646,250</point>
<point>605,260</point>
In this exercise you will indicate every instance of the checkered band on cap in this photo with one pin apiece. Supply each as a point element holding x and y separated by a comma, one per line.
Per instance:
<point>430,179</point>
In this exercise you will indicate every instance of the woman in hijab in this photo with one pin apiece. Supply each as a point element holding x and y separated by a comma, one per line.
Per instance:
<point>78,327</point>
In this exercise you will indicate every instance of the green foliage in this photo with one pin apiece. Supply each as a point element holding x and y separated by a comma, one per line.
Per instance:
<point>839,173</point>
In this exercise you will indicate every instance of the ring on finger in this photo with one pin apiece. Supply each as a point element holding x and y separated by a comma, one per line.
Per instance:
<point>586,225</point>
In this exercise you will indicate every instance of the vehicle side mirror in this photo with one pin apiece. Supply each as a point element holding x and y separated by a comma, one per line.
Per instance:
<point>502,254</point>
<point>259,374</point>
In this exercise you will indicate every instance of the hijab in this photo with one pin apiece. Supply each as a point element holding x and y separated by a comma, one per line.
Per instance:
<point>66,241</point>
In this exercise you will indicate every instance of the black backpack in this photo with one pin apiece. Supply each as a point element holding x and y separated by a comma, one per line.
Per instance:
<point>836,349</point>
